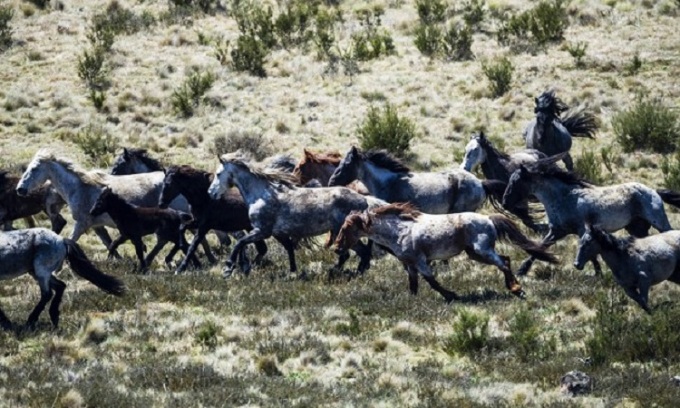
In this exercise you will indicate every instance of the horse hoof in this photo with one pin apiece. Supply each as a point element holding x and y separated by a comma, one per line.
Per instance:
<point>520,294</point>
<point>227,272</point>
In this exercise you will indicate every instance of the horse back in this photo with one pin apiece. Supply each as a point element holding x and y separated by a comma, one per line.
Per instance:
<point>21,248</point>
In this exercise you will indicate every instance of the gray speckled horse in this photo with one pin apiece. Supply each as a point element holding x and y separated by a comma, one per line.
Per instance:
<point>389,179</point>
<point>551,134</point>
<point>276,207</point>
<point>41,252</point>
<point>571,201</point>
<point>637,263</point>
<point>416,239</point>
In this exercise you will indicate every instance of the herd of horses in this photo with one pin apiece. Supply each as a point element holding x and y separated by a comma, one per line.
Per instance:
<point>418,217</point>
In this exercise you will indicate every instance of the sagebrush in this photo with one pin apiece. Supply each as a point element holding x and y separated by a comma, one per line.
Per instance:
<point>647,125</point>
<point>384,129</point>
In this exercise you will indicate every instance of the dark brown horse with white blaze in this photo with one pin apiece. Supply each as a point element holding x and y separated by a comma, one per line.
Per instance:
<point>416,239</point>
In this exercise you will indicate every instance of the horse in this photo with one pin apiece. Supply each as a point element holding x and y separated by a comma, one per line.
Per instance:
<point>570,201</point>
<point>41,252</point>
<point>551,134</point>
<point>316,169</point>
<point>229,213</point>
<point>416,239</point>
<point>278,208</point>
<point>636,263</point>
<point>135,161</point>
<point>389,179</point>
<point>44,199</point>
<point>497,165</point>
<point>135,222</point>
<point>80,188</point>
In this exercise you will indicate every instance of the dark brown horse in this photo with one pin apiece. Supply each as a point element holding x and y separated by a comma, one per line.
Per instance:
<point>228,214</point>
<point>319,167</point>
<point>14,206</point>
<point>135,222</point>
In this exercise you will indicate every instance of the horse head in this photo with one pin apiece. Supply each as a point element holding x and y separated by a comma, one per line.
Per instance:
<point>474,152</point>
<point>169,191</point>
<point>34,176</point>
<point>348,169</point>
<point>549,105</point>
<point>355,226</point>
<point>101,204</point>
<point>135,161</point>
<point>589,245</point>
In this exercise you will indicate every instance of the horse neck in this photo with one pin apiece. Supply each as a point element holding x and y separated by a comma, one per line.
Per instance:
<point>195,189</point>
<point>118,208</point>
<point>494,166</point>
<point>549,190</point>
<point>374,177</point>
<point>616,256</point>
<point>67,183</point>
<point>385,230</point>
<point>253,188</point>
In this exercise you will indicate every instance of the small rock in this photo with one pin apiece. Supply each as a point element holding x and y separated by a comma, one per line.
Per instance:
<point>576,382</point>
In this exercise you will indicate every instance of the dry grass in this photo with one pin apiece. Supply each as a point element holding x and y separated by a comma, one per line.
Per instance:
<point>270,339</point>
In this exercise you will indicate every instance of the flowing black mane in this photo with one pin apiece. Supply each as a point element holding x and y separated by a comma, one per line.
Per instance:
<point>143,156</point>
<point>382,158</point>
<point>549,103</point>
<point>547,168</point>
<point>489,147</point>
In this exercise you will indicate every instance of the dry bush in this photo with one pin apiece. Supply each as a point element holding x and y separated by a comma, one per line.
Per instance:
<point>250,142</point>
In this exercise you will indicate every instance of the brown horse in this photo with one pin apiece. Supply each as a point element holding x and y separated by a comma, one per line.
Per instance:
<point>320,167</point>
<point>14,206</point>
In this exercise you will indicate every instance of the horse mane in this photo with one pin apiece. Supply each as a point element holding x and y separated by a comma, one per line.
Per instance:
<point>547,168</point>
<point>556,105</point>
<point>406,211</point>
<point>610,241</point>
<point>143,156</point>
<point>96,178</point>
<point>273,176</point>
<point>487,145</point>
<point>382,158</point>
<point>332,158</point>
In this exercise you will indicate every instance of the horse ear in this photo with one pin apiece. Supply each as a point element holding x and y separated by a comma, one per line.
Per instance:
<point>482,135</point>
<point>126,153</point>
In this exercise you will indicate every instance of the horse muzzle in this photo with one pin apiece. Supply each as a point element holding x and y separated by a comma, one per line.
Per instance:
<point>22,191</point>
<point>578,265</point>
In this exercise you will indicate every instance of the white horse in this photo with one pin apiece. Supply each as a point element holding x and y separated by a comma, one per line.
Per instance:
<point>41,252</point>
<point>80,189</point>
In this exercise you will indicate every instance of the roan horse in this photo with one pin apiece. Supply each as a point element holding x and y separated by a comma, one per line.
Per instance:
<point>636,263</point>
<point>229,213</point>
<point>570,202</point>
<point>135,222</point>
<point>80,188</point>
<point>387,178</point>
<point>278,208</point>
<point>551,134</point>
<point>497,165</point>
<point>44,199</point>
<point>416,239</point>
<point>41,252</point>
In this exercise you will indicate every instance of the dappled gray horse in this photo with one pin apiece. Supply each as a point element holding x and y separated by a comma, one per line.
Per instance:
<point>570,202</point>
<point>497,165</point>
<point>389,179</point>
<point>636,263</point>
<point>41,252</point>
<point>416,239</point>
<point>80,188</point>
<point>276,207</point>
<point>551,134</point>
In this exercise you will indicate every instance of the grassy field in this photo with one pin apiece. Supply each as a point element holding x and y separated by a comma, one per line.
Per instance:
<point>272,339</point>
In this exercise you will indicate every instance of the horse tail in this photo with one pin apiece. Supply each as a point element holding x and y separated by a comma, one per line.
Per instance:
<point>670,197</point>
<point>508,231</point>
<point>494,190</point>
<point>84,268</point>
<point>581,124</point>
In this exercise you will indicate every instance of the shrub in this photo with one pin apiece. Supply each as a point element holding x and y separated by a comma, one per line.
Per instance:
<point>256,22</point>
<point>499,74</point>
<point>457,43</point>
<point>294,24</point>
<point>647,125</point>
<point>324,31</point>
<point>431,11</point>
<point>670,167</point>
<point>474,12</point>
<point>371,42</point>
<point>6,15</point>
<point>188,96</point>
<point>98,98</point>
<point>222,52</point>
<point>98,144</point>
<point>428,39</point>
<point>525,337</point>
<point>250,142</point>
<point>578,51</point>
<point>470,333</point>
<point>207,333</point>
<point>386,130</point>
<point>588,166</point>
<point>543,24</point>
<point>91,68</point>
<point>634,66</point>
<point>249,55</point>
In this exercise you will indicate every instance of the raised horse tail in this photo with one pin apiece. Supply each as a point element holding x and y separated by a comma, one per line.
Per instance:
<point>581,124</point>
<point>86,270</point>
<point>494,190</point>
<point>509,232</point>
<point>669,196</point>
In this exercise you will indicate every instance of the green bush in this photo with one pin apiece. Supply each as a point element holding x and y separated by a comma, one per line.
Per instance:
<point>98,97</point>
<point>428,39</point>
<point>253,143</point>
<point>543,24</point>
<point>499,74</point>
<point>207,333</point>
<point>324,31</point>
<point>6,15</point>
<point>97,144</point>
<point>372,41</point>
<point>587,165</point>
<point>92,70</point>
<point>457,43</point>
<point>470,333</point>
<point>256,22</point>
<point>670,167</point>
<point>384,129</point>
<point>634,66</point>
<point>647,125</point>
<point>188,96</point>
<point>431,11</point>
<point>578,51</point>
<point>474,12</point>
<point>525,337</point>
<point>249,55</point>
<point>294,24</point>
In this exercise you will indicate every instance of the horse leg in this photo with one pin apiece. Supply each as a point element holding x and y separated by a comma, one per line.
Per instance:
<point>208,252</point>
<point>632,292</point>
<point>568,162</point>
<point>261,247</point>
<point>30,222</point>
<point>243,261</point>
<point>638,227</point>
<point>7,226</point>
<point>115,244</point>
<point>412,279</point>
<point>491,257</point>
<point>424,270</point>
<point>198,238</point>
<point>160,243</point>
<point>254,235</point>
<point>58,222</point>
<point>289,246</point>
<point>103,234</point>
<point>139,250</point>
<point>58,287</point>
<point>5,323</point>
<point>45,296</point>
<point>365,253</point>
<point>547,241</point>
